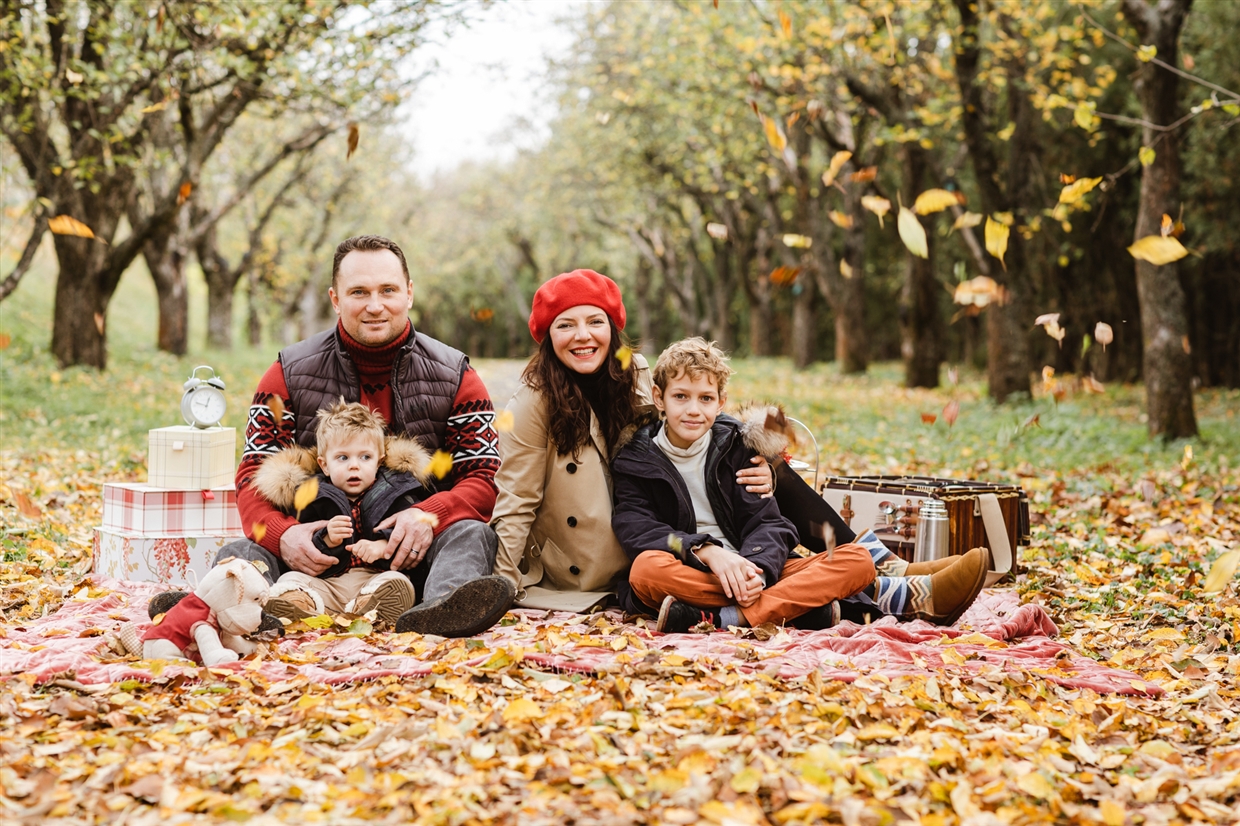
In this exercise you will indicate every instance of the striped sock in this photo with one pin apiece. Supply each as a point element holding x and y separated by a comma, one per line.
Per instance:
<point>885,562</point>
<point>901,596</point>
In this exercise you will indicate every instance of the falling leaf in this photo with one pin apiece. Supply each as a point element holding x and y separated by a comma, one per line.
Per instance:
<point>934,200</point>
<point>74,77</point>
<point>504,421</point>
<point>1092,385</point>
<point>27,508</point>
<point>5,341</point>
<point>719,231</point>
<point>863,176</point>
<point>522,709</point>
<point>156,107</point>
<point>1186,345</point>
<point>99,322</point>
<point>440,464</point>
<point>65,225</point>
<point>306,493</point>
<point>483,315</point>
<point>276,405</point>
<point>791,119</point>
<point>676,544</point>
<point>1221,572</point>
<point>774,135</point>
<point>1167,225</point>
<point>953,376</point>
<point>354,134</point>
<point>1188,457</point>
<point>624,355</point>
<point>997,239</point>
<point>783,276</point>
<point>845,269</point>
<point>183,192</point>
<point>785,23</point>
<point>1046,318</point>
<point>427,517</point>
<point>879,206</point>
<point>803,242</point>
<point>1065,178</point>
<point>257,531</point>
<point>950,411</point>
<point>837,162</point>
<point>912,233</point>
<point>929,418</point>
<point>1103,334</point>
<point>1050,323</point>
<point>1147,53</point>
<point>1074,192</point>
<point>1032,421</point>
<point>1157,250</point>
<point>1146,155</point>
<point>840,219</point>
<point>1084,116</point>
<point>967,219</point>
<point>978,292</point>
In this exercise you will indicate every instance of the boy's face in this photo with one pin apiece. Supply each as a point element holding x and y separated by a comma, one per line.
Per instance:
<point>351,463</point>
<point>691,407</point>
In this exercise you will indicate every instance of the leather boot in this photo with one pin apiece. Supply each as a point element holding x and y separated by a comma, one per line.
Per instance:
<point>951,591</point>
<point>931,567</point>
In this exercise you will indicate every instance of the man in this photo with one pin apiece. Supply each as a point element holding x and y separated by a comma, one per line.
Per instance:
<point>423,389</point>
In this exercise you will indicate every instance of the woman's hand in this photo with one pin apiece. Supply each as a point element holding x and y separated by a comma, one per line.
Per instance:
<point>339,528</point>
<point>758,479</point>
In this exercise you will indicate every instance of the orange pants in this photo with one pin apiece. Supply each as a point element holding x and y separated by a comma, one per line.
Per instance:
<point>806,583</point>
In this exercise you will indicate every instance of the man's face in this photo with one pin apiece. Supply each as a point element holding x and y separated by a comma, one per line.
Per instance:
<point>372,297</point>
<point>691,407</point>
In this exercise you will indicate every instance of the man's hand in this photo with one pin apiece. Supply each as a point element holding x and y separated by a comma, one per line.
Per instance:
<point>757,479</point>
<point>368,550</point>
<point>734,571</point>
<point>298,552</point>
<point>411,536</point>
<point>339,528</point>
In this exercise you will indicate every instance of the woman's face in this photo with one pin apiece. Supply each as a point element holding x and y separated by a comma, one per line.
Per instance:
<point>581,337</point>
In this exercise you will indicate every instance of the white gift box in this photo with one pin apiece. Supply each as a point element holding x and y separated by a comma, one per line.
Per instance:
<point>175,560</point>
<point>191,458</point>
<point>142,508</point>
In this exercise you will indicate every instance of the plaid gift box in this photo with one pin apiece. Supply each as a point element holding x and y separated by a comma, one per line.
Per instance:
<point>180,560</point>
<point>141,508</point>
<point>191,458</point>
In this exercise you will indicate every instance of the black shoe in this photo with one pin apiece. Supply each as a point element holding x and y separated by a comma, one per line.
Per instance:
<point>676,617</point>
<point>165,602</point>
<point>466,612</point>
<point>816,619</point>
<point>859,612</point>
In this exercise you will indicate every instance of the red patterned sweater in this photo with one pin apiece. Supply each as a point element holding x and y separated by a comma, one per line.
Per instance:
<point>468,491</point>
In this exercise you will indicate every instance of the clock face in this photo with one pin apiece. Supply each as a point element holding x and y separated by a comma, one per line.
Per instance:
<point>203,407</point>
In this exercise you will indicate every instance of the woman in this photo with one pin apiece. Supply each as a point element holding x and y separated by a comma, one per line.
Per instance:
<point>580,395</point>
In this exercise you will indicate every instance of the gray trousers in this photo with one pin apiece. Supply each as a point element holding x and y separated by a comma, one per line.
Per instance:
<point>462,552</point>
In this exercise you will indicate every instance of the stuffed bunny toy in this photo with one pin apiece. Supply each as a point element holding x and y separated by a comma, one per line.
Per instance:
<point>211,621</point>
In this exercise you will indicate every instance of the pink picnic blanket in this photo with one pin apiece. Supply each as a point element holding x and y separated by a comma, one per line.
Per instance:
<point>996,635</point>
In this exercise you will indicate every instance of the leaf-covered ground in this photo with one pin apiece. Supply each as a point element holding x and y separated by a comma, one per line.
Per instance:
<point>1125,533</point>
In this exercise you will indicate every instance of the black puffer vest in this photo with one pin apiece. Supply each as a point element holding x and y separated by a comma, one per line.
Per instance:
<point>425,377</point>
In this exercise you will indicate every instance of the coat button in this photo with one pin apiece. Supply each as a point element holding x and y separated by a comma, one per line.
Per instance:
<point>572,468</point>
<point>574,570</point>
<point>572,521</point>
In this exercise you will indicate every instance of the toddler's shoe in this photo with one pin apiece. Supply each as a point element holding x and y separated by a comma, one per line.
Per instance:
<point>293,603</point>
<point>390,594</point>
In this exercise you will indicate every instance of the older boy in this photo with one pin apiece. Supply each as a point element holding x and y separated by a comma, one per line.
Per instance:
<point>706,552</point>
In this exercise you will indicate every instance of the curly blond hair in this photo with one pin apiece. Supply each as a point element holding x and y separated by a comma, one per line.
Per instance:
<point>344,420</point>
<point>694,357</point>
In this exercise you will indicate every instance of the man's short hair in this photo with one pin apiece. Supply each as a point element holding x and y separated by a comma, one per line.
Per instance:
<point>367,243</point>
<point>345,420</point>
<point>693,357</point>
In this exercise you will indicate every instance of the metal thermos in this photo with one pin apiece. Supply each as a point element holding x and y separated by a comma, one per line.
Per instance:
<point>932,531</point>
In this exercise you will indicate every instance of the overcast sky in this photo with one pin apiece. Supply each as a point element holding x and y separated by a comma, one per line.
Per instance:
<point>487,76</point>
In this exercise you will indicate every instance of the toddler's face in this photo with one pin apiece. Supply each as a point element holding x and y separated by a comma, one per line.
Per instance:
<point>351,464</point>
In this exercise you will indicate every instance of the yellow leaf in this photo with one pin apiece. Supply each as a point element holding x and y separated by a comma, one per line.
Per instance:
<point>619,644</point>
<point>625,356</point>
<point>1112,812</point>
<point>840,219</point>
<point>785,23</point>
<point>1076,190</point>
<point>845,269</point>
<point>522,709</point>
<point>1158,748</point>
<point>1163,635</point>
<point>1147,53</point>
<point>967,219</point>
<point>878,731</point>
<point>1084,116</point>
<point>746,781</point>
<point>1158,250</point>
<point>258,530</point>
<point>997,239</point>
<point>1036,785</point>
<point>156,107</point>
<point>504,421</point>
<point>306,493</point>
<point>440,464</point>
<point>879,206</point>
<point>354,135</point>
<point>803,242</point>
<point>912,233</point>
<point>1146,155</point>
<point>837,162</point>
<point>1221,572</point>
<point>321,621</point>
<point>774,135</point>
<point>65,225</point>
<point>934,200</point>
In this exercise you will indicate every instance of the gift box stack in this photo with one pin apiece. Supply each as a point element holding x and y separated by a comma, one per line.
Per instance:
<point>169,528</point>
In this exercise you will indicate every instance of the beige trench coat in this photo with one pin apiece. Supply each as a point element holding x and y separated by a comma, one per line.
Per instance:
<point>553,511</point>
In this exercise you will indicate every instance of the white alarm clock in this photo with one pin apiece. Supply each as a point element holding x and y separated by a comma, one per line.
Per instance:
<point>203,403</point>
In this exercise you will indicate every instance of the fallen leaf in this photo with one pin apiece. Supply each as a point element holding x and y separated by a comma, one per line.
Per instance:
<point>520,710</point>
<point>879,206</point>
<point>912,233</point>
<point>997,239</point>
<point>1112,811</point>
<point>1157,250</point>
<point>934,200</point>
<point>27,508</point>
<point>354,135</point>
<point>1221,572</point>
<point>833,169</point>
<point>441,463</point>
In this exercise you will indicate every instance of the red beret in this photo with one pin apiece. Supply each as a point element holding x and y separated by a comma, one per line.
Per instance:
<point>572,289</point>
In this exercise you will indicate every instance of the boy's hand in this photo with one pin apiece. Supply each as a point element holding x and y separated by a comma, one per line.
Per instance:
<point>755,585</point>
<point>339,528</point>
<point>369,550</point>
<point>758,479</point>
<point>734,571</point>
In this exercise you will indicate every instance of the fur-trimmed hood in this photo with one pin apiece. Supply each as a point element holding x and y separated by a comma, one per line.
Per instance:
<point>765,428</point>
<point>281,474</point>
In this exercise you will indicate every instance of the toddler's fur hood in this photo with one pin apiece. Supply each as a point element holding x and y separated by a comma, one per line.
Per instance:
<point>281,474</point>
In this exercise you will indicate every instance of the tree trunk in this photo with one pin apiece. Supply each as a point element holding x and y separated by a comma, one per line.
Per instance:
<point>645,318</point>
<point>921,323</point>
<point>1164,321</point>
<point>80,314</point>
<point>804,323</point>
<point>722,298</point>
<point>760,326</point>
<point>165,258</point>
<point>851,332</point>
<point>221,285</point>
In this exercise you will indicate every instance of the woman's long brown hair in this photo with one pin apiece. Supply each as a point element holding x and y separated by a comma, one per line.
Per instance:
<point>568,412</point>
